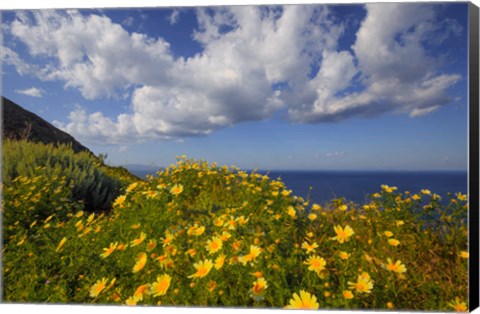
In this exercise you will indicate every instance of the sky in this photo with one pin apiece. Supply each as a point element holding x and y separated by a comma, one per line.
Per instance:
<point>375,86</point>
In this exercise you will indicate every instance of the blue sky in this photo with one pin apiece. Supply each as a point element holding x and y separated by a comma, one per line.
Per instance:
<point>350,86</point>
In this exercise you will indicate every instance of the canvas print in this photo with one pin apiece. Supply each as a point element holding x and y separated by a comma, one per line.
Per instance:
<point>309,156</point>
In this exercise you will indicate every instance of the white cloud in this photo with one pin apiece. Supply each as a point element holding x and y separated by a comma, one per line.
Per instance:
<point>335,154</point>
<point>91,53</point>
<point>128,21</point>
<point>173,18</point>
<point>122,148</point>
<point>33,92</point>
<point>396,72</point>
<point>248,51</point>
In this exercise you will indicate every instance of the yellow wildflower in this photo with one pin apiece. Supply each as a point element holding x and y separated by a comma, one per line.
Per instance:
<point>464,254</point>
<point>98,287</point>
<point>343,234</point>
<point>140,263</point>
<point>397,267</point>
<point>214,245</point>
<point>252,255</point>
<point>347,294</point>
<point>393,242</point>
<point>203,268</point>
<point>315,263</point>
<point>388,234</point>
<point>131,301</point>
<point>458,305</point>
<point>309,247</point>
<point>131,187</point>
<point>119,201</point>
<point>316,207</point>
<point>139,240</point>
<point>151,244</point>
<point>109,250</point>
<point>60,245</point>
<point>161,286</point>
<point>176,189</point>
<point>343,207</point>
<point>258,274</point>
<point>461,197</point>
<point>344,255</point>
<point>259,287</point>
<point>304,301</point>
<point>140,292</point>
<point>312,216</point>
<point>291,211</point>
<point>219,261</point>
<point>169,237</point>
<point>363,284</point>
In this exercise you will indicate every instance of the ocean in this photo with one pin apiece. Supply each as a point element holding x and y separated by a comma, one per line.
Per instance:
<point>322,186</point>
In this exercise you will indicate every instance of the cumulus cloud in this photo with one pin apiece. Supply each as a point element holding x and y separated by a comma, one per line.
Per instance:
<point>255,62</point>
<point>33,92</point>
<point>91,53</point>
<point>395,70</point>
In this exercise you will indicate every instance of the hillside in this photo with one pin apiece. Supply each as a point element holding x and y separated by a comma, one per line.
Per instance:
<point>19,123</point>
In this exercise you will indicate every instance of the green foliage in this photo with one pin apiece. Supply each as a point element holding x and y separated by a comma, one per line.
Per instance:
<point>172,219</point>
<point>82,172</point>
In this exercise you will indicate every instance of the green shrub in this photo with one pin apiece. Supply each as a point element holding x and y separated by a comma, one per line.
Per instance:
<point>83,172</point>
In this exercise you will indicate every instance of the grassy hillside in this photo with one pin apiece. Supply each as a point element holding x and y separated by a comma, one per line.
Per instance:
<point>201,234</point>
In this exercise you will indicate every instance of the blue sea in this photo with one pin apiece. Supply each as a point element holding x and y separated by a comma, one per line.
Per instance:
<point>322,186</point>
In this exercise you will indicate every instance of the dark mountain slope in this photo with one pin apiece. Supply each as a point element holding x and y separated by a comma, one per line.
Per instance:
<point>19,123</point>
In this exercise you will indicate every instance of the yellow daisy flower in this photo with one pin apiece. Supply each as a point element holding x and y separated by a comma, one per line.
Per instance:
<point>131,301</point>
<point>259,287</point>
<point>161,286</point>
<point>255,251</point>
<point>61,244</point>
<point>98,287</point>
<point>119,201</point>
<point>151,244</point>
<point>176,189</point>
<point>396,267</point>
<point>131,187</point>
<point>315,263</point>
<point>291,211</point>
<point>214,245</point>
<point>140,292</point>
<point>458,305</point>
<point>363,285</point>
<point>139,240</point>
<point>309,247</point>
<point>203,268</point>
<point>304,301</point>
<point>109,250</point>
<point>393,242</point>
<point>219,261</point>
<point>343,234</point>
<point>140,263</point>
<point>347,294</point>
